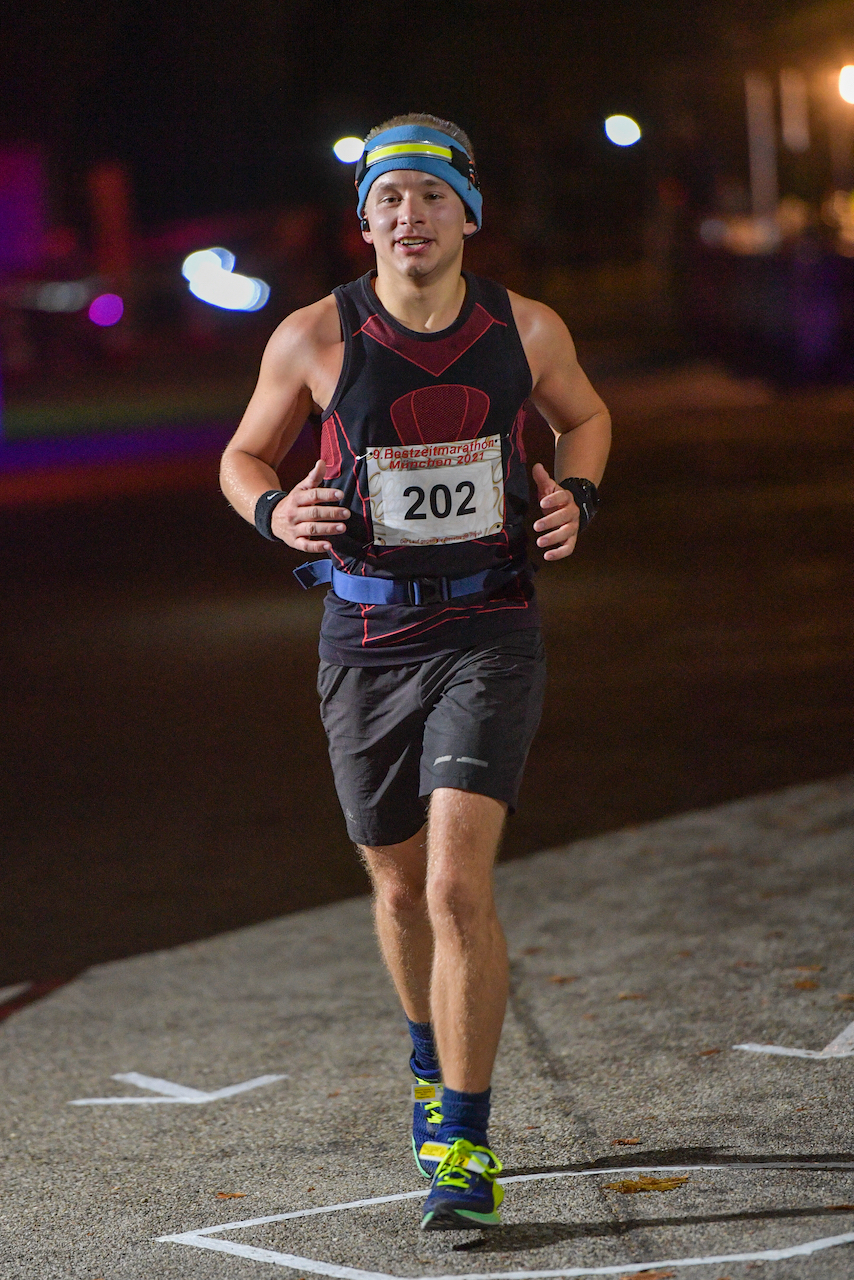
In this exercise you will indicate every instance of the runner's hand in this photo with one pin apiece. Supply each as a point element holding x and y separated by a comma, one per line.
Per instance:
<point>309,513</point>
<point>558,524</point>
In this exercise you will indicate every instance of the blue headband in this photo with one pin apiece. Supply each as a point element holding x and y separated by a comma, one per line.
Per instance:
<point>412,146</point>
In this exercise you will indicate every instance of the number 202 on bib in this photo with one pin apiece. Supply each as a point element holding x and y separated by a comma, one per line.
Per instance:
<point>432,493</point>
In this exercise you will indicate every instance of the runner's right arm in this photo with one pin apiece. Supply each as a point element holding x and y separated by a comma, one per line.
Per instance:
<point>291,372</point>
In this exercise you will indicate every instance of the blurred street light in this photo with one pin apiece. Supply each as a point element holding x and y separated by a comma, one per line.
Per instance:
<point>623,131</point>
<point>211,278</point>
<point>846,84</point>
<point>348,150</point>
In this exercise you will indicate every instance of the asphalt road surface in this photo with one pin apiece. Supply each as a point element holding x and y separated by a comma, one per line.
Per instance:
<point>637,1139</point>
<point>163,768</point>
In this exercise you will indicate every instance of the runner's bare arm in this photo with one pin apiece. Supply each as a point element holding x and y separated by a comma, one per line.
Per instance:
<point>296,364</point>
<point>576,414</point>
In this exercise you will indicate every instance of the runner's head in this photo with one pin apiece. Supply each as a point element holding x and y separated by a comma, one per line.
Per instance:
<point>425,144</point>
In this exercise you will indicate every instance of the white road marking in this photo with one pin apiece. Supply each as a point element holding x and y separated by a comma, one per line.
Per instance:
<point>12,993</point>
<point>841,1047</point>
<point>168,1091</point>
<point>442,760</point>
<point>204,1237</point>
<point>471,760</point>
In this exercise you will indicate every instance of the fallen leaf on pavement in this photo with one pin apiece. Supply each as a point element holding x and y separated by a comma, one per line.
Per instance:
<point>336,1093</point>
<point>631,995</point>
<point>806,984</point>
<point>531,951</point>
<point>631,1186</point>
<point>560,978</point>
<point>625,1142</point>
<point>839,1207</point>
<point>707,1053</point>
<point>645,1275</point>
<point>845,995</point>
<point>684,955</point>
<point>649,1275</point>
<point>230,1195</point>
<point>809,968</point>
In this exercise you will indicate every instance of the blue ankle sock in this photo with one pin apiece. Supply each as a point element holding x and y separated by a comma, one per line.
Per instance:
<point>464,1115</point>
<point>424,1060</point>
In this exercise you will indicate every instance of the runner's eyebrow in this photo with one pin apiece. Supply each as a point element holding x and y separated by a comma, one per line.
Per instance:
<point>387,184</point>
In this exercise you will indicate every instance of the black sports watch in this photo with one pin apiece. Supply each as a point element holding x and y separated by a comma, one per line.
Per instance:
<point>586,498</point>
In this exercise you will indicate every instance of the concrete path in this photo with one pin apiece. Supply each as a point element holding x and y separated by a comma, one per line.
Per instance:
<point>639,960</point>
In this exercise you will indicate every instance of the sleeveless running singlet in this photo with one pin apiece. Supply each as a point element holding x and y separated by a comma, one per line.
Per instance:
<point>424,437</point>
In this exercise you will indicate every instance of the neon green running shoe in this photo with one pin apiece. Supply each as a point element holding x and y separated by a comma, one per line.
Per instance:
<point>426,1118</point>
<point>464,1193</point>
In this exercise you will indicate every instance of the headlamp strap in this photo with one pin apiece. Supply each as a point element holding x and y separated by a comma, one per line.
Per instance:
<point>458,160</point>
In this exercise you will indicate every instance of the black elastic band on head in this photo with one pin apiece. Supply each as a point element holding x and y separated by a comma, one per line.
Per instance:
<point>264,508</point>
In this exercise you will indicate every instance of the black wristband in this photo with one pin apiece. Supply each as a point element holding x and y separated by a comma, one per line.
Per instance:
<point>264,508</point>
<point>586,498</point>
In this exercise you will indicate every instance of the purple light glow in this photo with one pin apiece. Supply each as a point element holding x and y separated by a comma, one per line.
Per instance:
<point>106,309</point>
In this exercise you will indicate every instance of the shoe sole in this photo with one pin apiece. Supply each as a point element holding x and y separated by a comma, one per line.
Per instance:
<point>448,1219</point>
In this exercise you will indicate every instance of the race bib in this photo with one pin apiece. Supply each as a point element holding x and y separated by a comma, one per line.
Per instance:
<point>433,493</point>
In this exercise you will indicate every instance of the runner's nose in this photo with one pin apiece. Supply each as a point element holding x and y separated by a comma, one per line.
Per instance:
<point>407,214</point>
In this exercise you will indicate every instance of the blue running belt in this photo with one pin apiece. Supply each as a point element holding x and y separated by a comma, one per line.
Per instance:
<point>411,591</point>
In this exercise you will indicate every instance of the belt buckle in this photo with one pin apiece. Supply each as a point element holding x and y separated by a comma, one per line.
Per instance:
<point>423,591</point>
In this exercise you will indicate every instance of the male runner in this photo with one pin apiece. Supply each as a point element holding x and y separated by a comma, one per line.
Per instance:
<point>432,671</point>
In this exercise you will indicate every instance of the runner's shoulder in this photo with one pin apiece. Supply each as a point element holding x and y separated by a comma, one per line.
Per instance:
<point>305,334</point>
<point>543,334</point>
<point>535,319</point>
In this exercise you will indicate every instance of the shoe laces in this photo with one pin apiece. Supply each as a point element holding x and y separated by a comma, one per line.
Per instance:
<point>463,1162</point>
<point>432,1103</point>
<point>433,1111</point>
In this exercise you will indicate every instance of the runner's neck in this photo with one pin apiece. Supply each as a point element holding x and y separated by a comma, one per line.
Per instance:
<point>424,308</point>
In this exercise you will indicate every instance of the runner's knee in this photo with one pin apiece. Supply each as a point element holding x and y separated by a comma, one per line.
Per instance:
<point>456,902</point>
<point>400,889</point>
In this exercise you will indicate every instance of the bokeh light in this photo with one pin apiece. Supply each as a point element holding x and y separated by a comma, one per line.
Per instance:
<point>64,295</point>
<point>106,309</point>
<point>623,131</point>
<point>846,84</point>
<point>218,259</point>
<point>212,280</point>
<point>348,150</point>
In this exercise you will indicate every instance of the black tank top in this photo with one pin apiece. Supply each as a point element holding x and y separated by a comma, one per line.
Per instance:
<point>407,399</point>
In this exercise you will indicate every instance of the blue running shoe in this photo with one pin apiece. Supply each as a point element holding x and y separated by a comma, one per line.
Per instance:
<point>463,1194</point>
<point>426,1118</point>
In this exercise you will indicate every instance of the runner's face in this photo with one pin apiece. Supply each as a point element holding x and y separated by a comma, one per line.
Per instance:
<point>417,222</point>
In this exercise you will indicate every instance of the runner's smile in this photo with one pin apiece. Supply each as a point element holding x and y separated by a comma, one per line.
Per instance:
<point>411,246</point>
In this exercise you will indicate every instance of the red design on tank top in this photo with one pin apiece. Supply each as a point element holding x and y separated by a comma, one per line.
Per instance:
<point>438,415</point>
<point>432,357</point>
<point>330,449</point>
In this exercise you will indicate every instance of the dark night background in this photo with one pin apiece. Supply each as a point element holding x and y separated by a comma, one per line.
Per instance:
<point>235,106</point>
<point>164,771</point>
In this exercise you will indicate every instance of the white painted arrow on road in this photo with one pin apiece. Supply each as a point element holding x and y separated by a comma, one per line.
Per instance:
<point>841,1047</point>
<point>168,1091</point>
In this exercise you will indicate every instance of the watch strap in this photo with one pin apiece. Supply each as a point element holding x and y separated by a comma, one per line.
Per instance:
<point>586,498</point>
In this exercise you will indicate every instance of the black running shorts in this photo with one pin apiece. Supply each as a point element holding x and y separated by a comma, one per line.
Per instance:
<point>464,719</point>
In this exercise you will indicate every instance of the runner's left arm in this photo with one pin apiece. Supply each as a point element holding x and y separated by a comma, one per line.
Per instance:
<point>576,414</point>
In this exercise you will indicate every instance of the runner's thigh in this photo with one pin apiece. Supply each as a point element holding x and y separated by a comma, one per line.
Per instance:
<point>374,721</point>
<point>484,717</point>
